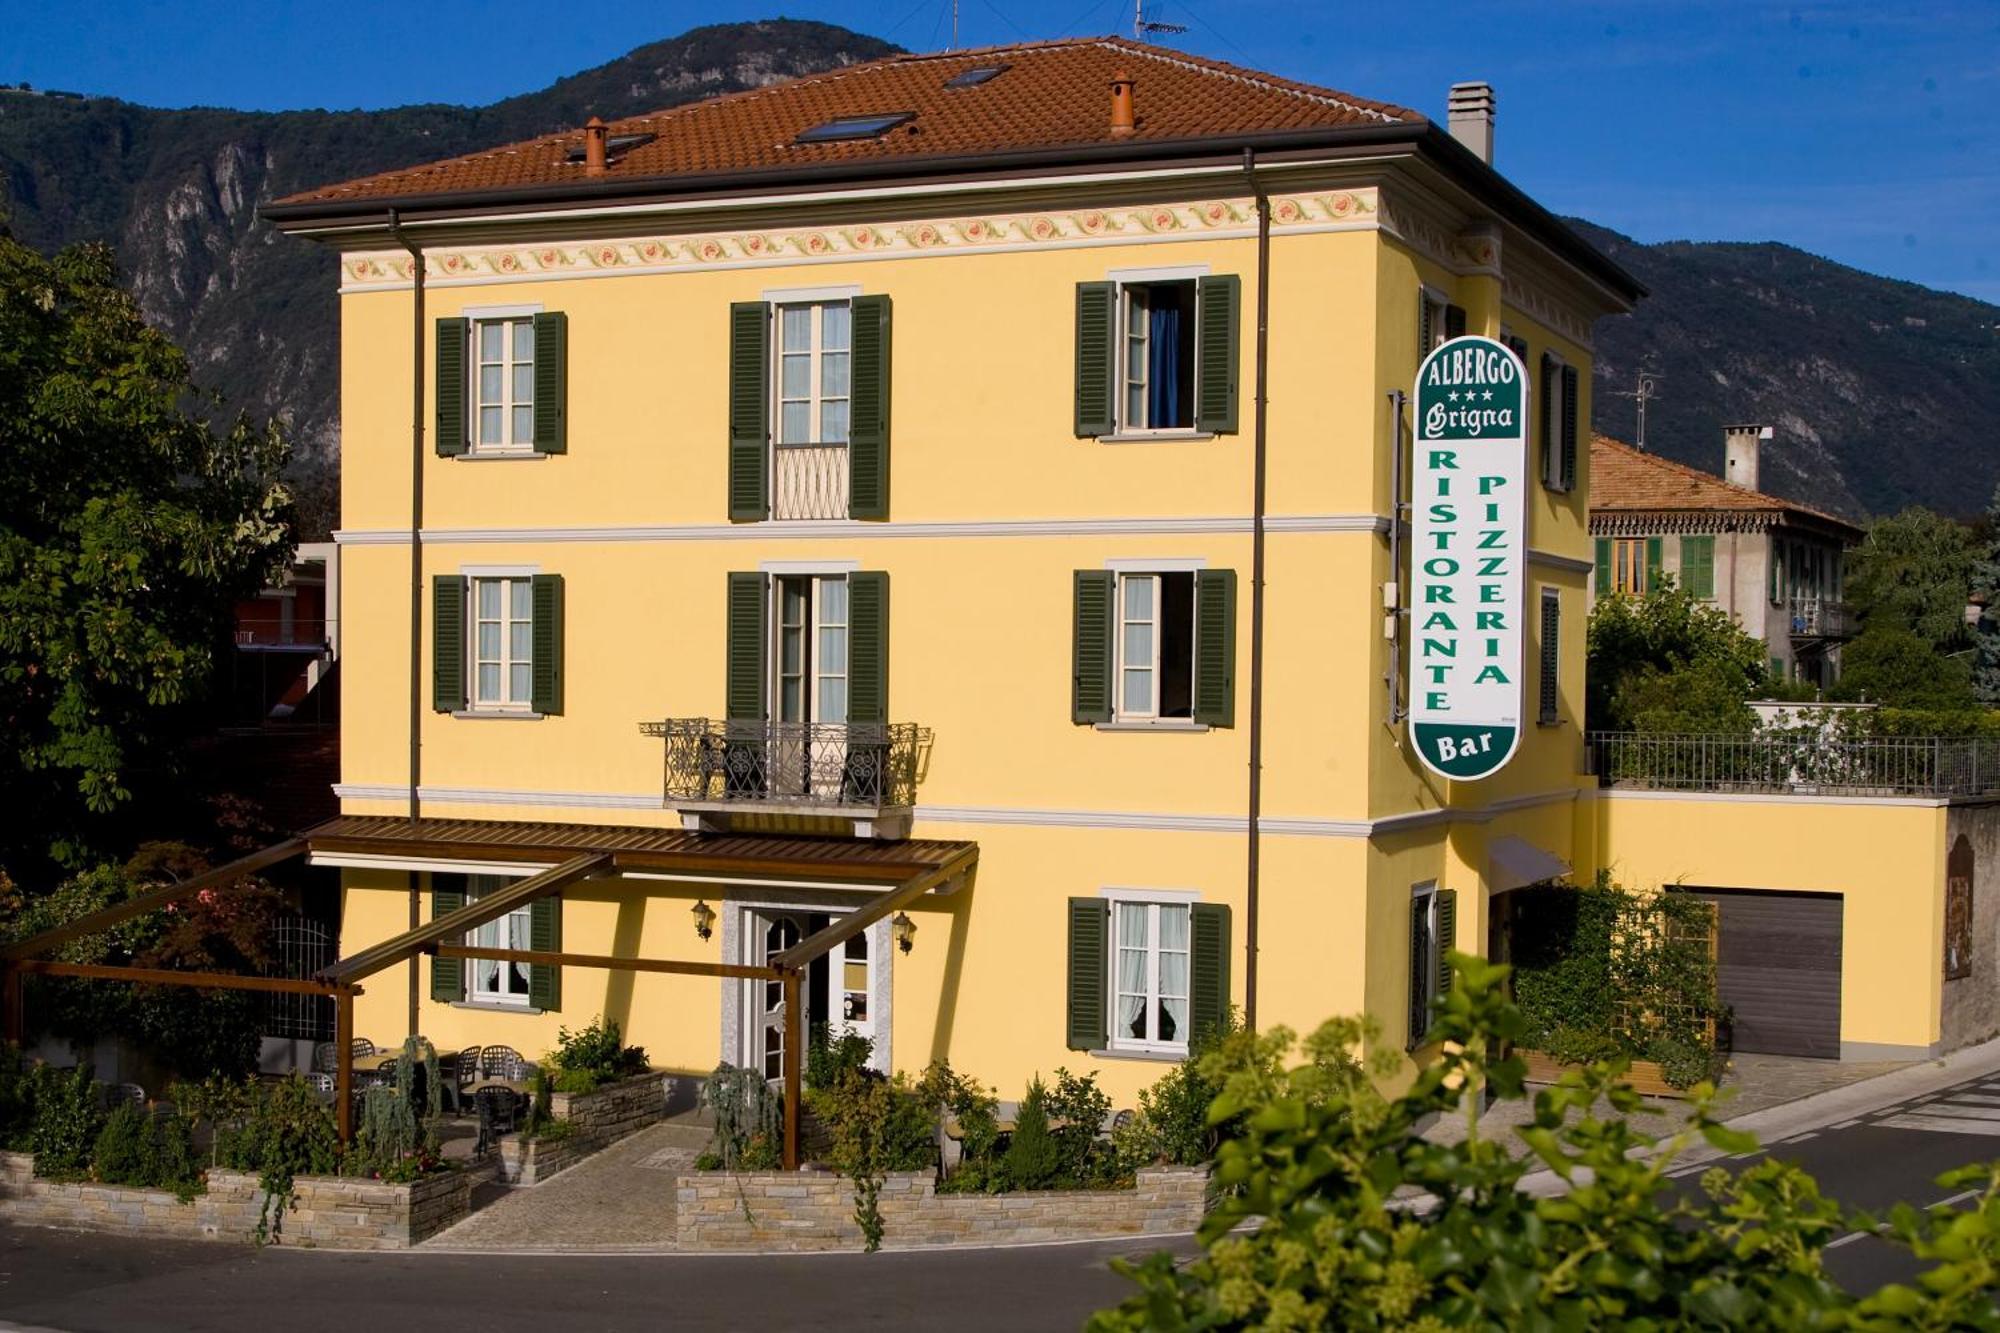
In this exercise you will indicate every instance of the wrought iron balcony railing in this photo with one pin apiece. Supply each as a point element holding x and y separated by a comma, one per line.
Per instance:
<point>1816,618</point>
<point>830,768</point>
<point>1802,760</point>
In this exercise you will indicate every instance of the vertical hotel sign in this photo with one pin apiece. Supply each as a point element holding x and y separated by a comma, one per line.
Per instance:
<point>1468,557</point>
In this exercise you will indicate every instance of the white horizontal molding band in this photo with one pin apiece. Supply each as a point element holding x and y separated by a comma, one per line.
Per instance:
<point>822,529</point>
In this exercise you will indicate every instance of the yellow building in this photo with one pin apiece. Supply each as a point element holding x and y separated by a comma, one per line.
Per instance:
<point>975,455</point>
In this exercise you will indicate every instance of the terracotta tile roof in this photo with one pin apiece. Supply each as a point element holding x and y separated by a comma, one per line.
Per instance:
<point>1051,95</point>
<point>1624,479</point>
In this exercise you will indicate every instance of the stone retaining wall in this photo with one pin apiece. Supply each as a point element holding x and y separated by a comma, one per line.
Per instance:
<point>610,1113</point>
<point>330,1211</point>
<point>814,1210</point>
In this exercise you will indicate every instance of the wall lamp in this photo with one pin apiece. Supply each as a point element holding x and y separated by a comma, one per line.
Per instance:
<point>704,919</point>
<point>906,930</point>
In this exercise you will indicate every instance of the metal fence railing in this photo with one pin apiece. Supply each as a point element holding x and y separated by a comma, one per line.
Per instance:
<point>1806,760</point>
<point>791,763</point>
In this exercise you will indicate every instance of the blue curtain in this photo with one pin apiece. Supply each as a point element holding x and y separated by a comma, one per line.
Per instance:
<point>1163,379</point>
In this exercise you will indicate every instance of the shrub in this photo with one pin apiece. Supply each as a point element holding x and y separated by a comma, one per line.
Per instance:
<point>17,1105</point>
<point>977,1113</point>
<point>875,1124</point>
<point>1303,1235</point>
<point>1076,1111</point>
<point>285,1131</point>
<point>400,1123</point>
<point>587,1059</point>
<point>1172,1121</point>
<point>67,1120</point>
<point>123,1154</point>
<point>1034,1158</point>
<point>745,1109</point>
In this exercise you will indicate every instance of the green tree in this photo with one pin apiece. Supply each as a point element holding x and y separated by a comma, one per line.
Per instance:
<point>1914,572</point>
<point>1986,635</point>
<point>127,528</point>
<point>1890,665</point>
<point>1339,1214</point>
<point>1669,662</point>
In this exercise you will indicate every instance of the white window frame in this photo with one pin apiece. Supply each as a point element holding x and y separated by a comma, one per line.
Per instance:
<point>512,931</point>
<point>510,444</point>
<point>816,398</point>
<point>1123,426</point>
<point>1152,902</point>
<point>1125,578</point>
<point>506,660</point>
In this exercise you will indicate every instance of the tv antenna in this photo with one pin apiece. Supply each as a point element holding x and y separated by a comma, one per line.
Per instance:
<point>1143,27</point>
<point>1647,389</point>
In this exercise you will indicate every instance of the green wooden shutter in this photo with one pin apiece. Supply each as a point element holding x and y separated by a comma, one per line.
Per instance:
<point>1551,680</point>
<point>447,643</point>
<point>545,672</point>
<point>1604,588</point>
<point>1096,377</point>
<point>749,411</point>
<point>1569,428</point>
<point>453,335</point>
<point>1091,654</point>
<point>868,408</point>
<point>447,974</point>
<point>552,383</point>
<point>1208,969</point>
<point>1698,566</point>
<point>545,936</point>
<point>1088,1023</point>
<point>1447,936</point>
<point>1454,322</point>
<point>1215,647</point>
<point>868,647</point>
<point>1549,418</point>
<point>1218,335</point>
<point>1653,561</point>
<point>1420,962</point>
<point>745,689</point>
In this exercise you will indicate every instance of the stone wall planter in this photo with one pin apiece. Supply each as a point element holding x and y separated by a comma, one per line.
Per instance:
<point>335,1212</point>
<point>600,1117</point>
<point>814,1210</point>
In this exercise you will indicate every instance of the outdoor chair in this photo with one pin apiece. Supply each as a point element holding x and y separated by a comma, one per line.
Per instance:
<point>502,1064</point>
<point>497,1108</point>
<point>321,1083</point>
<point>326,1057</point>
<point>361,1046</point>
<point>465,1073</point>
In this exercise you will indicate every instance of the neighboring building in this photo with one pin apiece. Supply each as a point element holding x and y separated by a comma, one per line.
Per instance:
<point>827,484</point>
<point>1775,565</point>
<point>287,640</point>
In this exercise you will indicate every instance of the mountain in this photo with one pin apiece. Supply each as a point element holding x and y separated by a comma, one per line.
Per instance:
<point>1882,393</point>
<point>176,192</point>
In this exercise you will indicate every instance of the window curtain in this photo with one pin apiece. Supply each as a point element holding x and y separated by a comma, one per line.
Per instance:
<point>1163,343</point>
<point>1132,971</point>
<point>1173,974</point>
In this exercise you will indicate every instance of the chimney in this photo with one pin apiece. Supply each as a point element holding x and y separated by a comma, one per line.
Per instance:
<point>595,133</point>
<point>1739,454</point>
<point>1122,123</point>
<point>1471,118</point>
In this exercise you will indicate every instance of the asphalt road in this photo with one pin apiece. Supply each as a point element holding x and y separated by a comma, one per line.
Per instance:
<point>79,1283</point>
<point>1886,1157</point>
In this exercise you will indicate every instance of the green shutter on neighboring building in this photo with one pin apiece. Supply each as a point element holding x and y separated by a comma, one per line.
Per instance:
<point>552,383</point>
<point>1653,563</point>
<point>1604,588</point>
<point>1096,373</point>
<point>1208,969</point>
<point>1088,1024</point>
<point>545,672</point>
<point>447,974</point>
<point>1218,315</point>
<point>744,691</point>
<point>447,643</point>
<point>749,411</point>
<point>868,429</point>
<point>868,647</point>
<point>1091,654</point>
<point>545,936</point>
<point>452,386</point>
<point>1215,647</point>
<point>1698,566</point>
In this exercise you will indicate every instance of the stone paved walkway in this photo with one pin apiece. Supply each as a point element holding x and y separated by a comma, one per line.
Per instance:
<point>617,1200</point>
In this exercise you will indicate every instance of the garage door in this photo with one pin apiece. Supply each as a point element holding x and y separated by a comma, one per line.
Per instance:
<point>1778,968</point>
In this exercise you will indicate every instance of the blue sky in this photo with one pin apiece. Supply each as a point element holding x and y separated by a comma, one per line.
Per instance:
<point>1869,133</point>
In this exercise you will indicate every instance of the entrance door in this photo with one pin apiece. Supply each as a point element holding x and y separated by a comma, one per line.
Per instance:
<point>838,988</point>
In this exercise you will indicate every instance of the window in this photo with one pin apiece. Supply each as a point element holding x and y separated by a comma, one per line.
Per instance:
<point>1628,566</point>
<point>504,385</point>
<point>1438,321</point>
<point>489,980</point>
<point>815,341</point>
<point>503,643</point>
<point>1155,646</point>
<point>854,127</point>
<point>972,78</point>
<point>1158,322</point>
<point>810,684</point>
<point>1551,653</point>
<point>1150,976</point>
<point>1433,934</point>
<point>1558,413</point>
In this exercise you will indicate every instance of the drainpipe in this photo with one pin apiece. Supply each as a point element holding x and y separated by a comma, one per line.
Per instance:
<point>416,568</point>
<point>1257,588</point>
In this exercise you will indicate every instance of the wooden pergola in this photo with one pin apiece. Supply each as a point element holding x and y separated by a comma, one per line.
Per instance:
<point>559,855</point>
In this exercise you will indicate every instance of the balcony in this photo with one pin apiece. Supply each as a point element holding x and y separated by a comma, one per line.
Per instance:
<point>267,634</point>
<point>809,481</point>
<point>1817,618</point>
<point>1802,761</point>
<point>717,771</point>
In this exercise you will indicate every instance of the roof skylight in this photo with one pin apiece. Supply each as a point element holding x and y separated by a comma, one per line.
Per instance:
<point>972,78</point>
<point>615,144</point>
<point>854,127</point>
